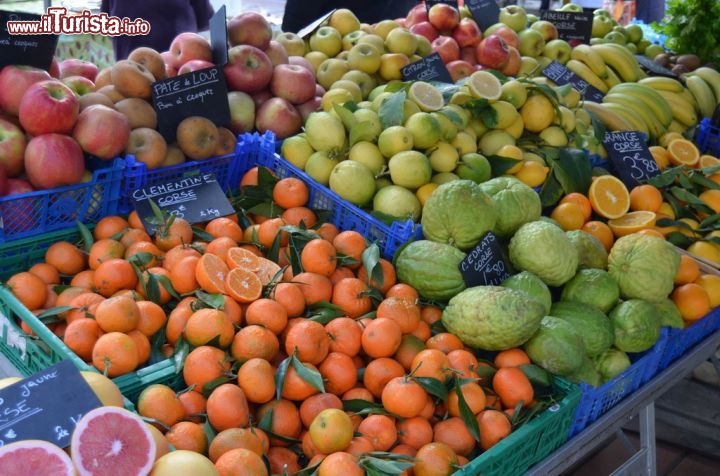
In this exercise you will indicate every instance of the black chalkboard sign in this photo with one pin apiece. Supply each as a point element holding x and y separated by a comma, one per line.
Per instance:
<point>653,68</point>
<point>219,37</point>
<point>558,73</point>
<point>485,12</point>
<point>306,31</point>
<point>46,406</point>
<point>429,68</point>
<point>195,197</point>
<point>485,264</point>
<point>198,93</point>
<point>430,3</point>
<point>573,27</point>
<point>630,157</point>
<point>30,50</point>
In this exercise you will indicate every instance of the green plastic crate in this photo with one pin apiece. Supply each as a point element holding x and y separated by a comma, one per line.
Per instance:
<point>533,441</point>
<point>30,354</point>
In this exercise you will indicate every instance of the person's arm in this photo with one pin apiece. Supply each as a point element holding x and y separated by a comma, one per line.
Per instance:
<point>105,6</point>
<point>203,11</point>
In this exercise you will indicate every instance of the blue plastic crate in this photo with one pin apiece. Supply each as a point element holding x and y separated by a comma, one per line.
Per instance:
<point>136,175</point>
<point>596,401</point>
<point>42,211</point>
<point>707,137</point>
<point>345,215</point>
<point>682,340</point>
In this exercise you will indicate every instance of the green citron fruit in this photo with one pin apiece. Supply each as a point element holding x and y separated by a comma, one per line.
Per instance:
<point>594,287</point>
<point>325,131</point>
<point>636,324</point>
<point>458,213</point>
<point>669,313</point>
<point>556,346</point>
<point>591,252</point>
<point>493,317</point>
<point>431,268</point>
<point>517,203</point>
<point>532,285</point>
<point>545,250</point>
<point>353,181</point>
<point>611,363</point>
<point>592,324</point>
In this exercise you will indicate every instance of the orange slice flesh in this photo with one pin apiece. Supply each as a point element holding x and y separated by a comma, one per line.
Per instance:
<point>243,285</point>
<point>609,196</point>
<point>239,257</point>
<point>632,222</point>
<point>683,152</point>
<point>210,273</point>
<point>267,270</point>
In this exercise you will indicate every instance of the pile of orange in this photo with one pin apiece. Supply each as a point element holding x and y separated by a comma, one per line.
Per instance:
<point>275,344</point>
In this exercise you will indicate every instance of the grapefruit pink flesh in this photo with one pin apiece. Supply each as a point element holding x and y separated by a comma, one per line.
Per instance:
<point>36,457</point>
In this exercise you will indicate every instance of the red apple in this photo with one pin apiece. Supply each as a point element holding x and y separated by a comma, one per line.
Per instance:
<point>248,69</point>
<point>492,52</point>
<point>80,85</point>
<point>3,182</point>
<point>467,53</point>
<point>279,116</point>
<point>102,131</point>
<point>19,214</point>
<point>416,14</point>
<point>187,46</point>
<point>48,106</point>
<point>194,65</point>
<point>293,82</point>
<point>12,148</point>
<point>14,81</point>
<point>242,112</point>
<point>169,60</point>
<point>424,28</point>
<point>276,52</point>
<point>78,67</point>
<point>53,160</point>
<point>512,66</point>
<point>446,47</point>
<point>249,28</point>
<point>509,35</point>
<point>467,33</point>
<point>314,104</point>
<point>443,16</point>
<point>260,97</point>
<point>301,61</point>
<point>459,69</point>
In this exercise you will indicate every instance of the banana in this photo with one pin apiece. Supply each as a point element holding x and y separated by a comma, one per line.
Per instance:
<point>637,122</point>
<point>620,59</point>
<point>703,94</point>
<point>612,78</point>
<point>711,77</point>
<point>650,97</point>
<point>637,106</point>
<point>682,110</point>
<point>663,83</point>
<point>611,120</point>
<point>587,75</point>
<point>591,58</point>
<point>676,126</point>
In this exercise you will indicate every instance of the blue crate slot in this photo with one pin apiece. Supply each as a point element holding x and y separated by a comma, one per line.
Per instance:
<point>682,340</point>
<point>707,138</point>
<point>42,211</point>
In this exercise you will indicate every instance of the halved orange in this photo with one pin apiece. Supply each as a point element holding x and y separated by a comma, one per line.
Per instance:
<point>267,270</point>
<point>632,222</point>
<point>239,257</point>
<point>243,285</point>
<point>707,160</point>
<point>609,196</point>
<point>210,273</point>
<point>661,156</point>
<point>683,152</point>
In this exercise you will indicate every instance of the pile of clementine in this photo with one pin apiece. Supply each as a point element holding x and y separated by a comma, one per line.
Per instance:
<point>281,321</point>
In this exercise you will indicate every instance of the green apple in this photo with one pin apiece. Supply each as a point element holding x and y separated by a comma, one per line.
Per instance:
<point>642,45</point>
<point>602,12</point>
<point>571,7</point>
<point>344,21</point>
<point>383,27</point>
<point>601,26</point>
<point>651,51</point>
<point>532,42</point>
<point>364,57</point>
<point>547,28</point>
<point>335,96</point>
<point>326,39</point>
<point>616,37</point>
<point>362,79</point>
<point>529,66</point>
<point>315,58</point>
<point>330,71</point>
<point>401,40</point>
<point>376,40</point>
<point>424,46</point>
<point>351,39</point>
<point>294,45</point>
<point>513,16</point>
<point>391,65</point>
<point>634,32</point>
<point>558,50</point>
<point>350,86</point>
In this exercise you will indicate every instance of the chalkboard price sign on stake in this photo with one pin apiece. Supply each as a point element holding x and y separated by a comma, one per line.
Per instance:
<point>558,73</point>
<point>219,37</point>
<point>30,50</point>
<point>196,198</point>
<point>653,68</point>
<point>630,157</point>
<point>573,27</point>
<point>485,265</point>
<point>198,93</point>
<point>429,68</point>
<point>46,406</point>
<point>485,12</point>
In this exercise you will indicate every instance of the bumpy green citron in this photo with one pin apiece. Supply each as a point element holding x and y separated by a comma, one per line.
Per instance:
<point>532,285</point>
<point>644,266</point>
<point>458,213</point>
<point>432,268</point>
<point>556,346</point>
<point>611,363</point>
<point>545,250</point>
<point>594,287</point>
<point>591,252</point>
<point>669,313</point>
<point>586,373</point>
<point>592,324</point>
<point>636,325</point>
<point>493,317</point>
<point>516,202</point>
<point>325,131</point>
